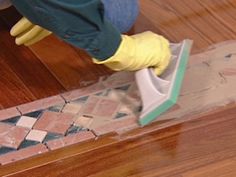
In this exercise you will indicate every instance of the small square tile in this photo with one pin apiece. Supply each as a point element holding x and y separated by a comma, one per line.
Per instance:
<point>72,108</point>
<point>90,105</point>
<point>54,122</point>
<point>12,136</point>
<point>36,135</point>
<point>82,121</point>
<point>26,122</point>
<point>117,95</point>
<point>100,107</point>
<point>106,108</point>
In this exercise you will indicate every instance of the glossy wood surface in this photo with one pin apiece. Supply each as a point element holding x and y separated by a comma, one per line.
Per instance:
<point>203,147</point>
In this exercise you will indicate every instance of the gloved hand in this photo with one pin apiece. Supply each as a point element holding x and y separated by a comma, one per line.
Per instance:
<point>27,33</point>
<point>140,51</point>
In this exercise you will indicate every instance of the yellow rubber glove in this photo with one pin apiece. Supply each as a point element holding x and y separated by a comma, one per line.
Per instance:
<point>27,33</point>
<point>140,51</point>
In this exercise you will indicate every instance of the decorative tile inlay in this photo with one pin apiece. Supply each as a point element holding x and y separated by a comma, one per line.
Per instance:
<point>12,136</point>
<point>70,139</point>
<point>8,113</point>
<point>72,108</point>
<point>22,154</point>
<point>26,122</point>
<point>52,136</point>
<point>12,120</point>
<point>41,104</point>
<point>75,129</point>
<point>27,143</point>
<point>56,108</point>
<point>84,122</point>
<point>116,126</point>
<point>112,105</point>
<point>36,135</point>
<point>35,114</point>
<point>100,107</point>
<point>4,150</point>
<point>54,122</point>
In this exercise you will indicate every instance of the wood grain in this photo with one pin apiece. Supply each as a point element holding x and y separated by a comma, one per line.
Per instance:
<point>201,147</point>
<point>194,148</point>
<point>22,74</point>
<point>72,67</point>
<point>205,21</point>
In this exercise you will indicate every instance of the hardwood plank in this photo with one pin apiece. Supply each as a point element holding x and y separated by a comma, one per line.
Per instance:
<point>13,90</point>
<point>201,21</point>
<point>199,147</point>
<point>70,66</point>
<point>27,67</point>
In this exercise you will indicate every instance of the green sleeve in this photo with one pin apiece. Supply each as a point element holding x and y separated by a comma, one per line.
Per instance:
<point>78,22</point>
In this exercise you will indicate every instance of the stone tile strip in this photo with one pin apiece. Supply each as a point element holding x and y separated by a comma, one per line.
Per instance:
<point>71,139</point>
<point>117,126</point>
<point>8,113</point>
<point>22,154</point>
<point>41,104</point>
<point>75,94</point>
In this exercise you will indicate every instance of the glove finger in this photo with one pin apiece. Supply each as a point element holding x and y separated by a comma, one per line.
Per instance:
<point>21,26</point>
<point>28,35</point>
<point>38,38</point>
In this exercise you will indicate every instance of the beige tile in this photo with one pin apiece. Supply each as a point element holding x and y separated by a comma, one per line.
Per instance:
<point>27,122</point>
<point>72,108</point>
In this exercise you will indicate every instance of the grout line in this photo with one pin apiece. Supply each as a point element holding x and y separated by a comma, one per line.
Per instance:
<point>19,110</point>
<point>63,98</point>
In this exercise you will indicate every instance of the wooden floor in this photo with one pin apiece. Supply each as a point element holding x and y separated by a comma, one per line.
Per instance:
<point>203,147</point>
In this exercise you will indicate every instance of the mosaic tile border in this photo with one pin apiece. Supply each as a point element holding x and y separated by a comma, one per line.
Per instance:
<point>111,105</point>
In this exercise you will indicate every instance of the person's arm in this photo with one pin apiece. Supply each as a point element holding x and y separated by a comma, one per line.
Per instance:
<point>4,4</point>
<point>80,23</point>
